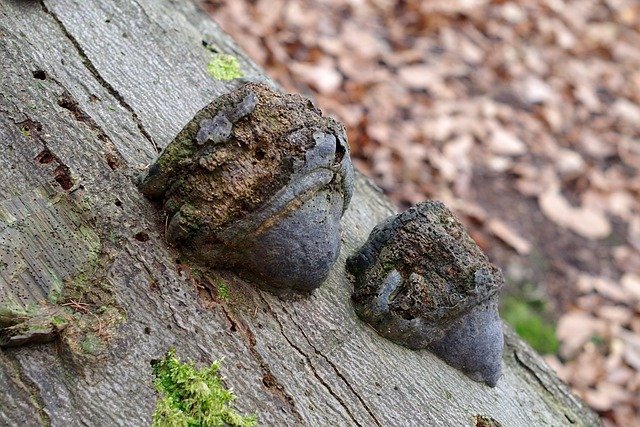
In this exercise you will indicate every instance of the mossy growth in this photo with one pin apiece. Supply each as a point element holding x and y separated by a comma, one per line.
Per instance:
<point>91,330</point>
<point>223,290</point>
<point>12,313</point>
<point>32,324</point>
<point>528,319</point>
<point>192,397</point>
<point>224,67</point>
<point>91,344</point>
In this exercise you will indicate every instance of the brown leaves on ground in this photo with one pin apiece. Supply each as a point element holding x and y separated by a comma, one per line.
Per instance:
<point>522,116</point>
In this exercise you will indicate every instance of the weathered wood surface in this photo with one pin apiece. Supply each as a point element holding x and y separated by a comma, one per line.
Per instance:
<point>120,79</point>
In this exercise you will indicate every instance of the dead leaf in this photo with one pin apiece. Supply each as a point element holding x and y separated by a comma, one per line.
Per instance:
<point>508,235</point>
<point>575,329</point>
<point>604,286</point>
<point>323,76</point>
<point>588,223</point>
<point>505,143</point>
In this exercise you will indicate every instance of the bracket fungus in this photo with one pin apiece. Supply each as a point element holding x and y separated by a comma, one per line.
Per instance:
<point>422,282</point>
<point>257,182</point>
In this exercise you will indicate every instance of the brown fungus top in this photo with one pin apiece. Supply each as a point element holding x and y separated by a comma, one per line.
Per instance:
<point>219,180</point>
<point>443,272</point>
<point>257,182</point>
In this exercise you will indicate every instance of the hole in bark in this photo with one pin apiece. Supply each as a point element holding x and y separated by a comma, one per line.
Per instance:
<point>118,203</point>
<point>62,175</point>
<point>147,330</point>
<point>67,102</point>
<point>39,74</point>
<point>209,46</point>
<point>112,161</point>
<point>30,128</point>
<point>340,151</point>
<point>269,381</point>
<point>260,154</point>
<point>45,157</point>
<point>141,237</point>
<point>485,421</point>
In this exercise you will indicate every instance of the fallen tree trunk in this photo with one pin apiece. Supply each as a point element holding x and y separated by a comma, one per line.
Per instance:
<point>91,91</point>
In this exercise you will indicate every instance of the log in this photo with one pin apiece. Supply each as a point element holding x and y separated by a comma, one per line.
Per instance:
<point>91,91</point>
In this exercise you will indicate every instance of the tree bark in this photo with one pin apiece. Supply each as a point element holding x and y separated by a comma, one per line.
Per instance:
<point>91,91</point>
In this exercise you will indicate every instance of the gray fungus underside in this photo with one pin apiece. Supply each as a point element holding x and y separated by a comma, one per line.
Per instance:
<point>91,90</point>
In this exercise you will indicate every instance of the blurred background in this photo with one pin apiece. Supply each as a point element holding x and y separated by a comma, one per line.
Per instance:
<point>524,118</point>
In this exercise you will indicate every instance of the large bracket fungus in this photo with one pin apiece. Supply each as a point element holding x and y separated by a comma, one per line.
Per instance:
<point>257,182</point>
<point>422,282</point>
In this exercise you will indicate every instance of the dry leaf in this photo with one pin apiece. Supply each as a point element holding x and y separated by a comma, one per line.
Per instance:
<point>631,283</point>
<point>419,77</point>
<point>575,329</point>
<point>505,143</point>
<point>605,287</point>
<point>508,235</point>
<point>323,76</point>
<point>588,223</point>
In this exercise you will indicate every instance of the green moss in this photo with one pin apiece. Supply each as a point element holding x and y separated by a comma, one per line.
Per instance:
<point>598,340</point>
<point>12,313</point>
<point>93,243</point>
<point>175,153</point>
<point>527,318</point>
<point>25,132</point>
<point>192,397</point>
<point>35,323</point>
<point>224,67</point>
<point>223,290</point>
<point>58,321</point>
<point>91,344</point>
<point>56,287</point>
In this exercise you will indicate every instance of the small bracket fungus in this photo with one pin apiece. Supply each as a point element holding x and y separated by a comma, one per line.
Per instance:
<point>257,182</point>
<point>422,282</point>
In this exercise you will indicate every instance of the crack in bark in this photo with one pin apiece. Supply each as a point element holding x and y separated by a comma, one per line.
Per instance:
<point>313,369</point>
<point>62,173</point>
<point>152,278</point>
<point>268,379</point>
<point>69,103</point>
<point>93,70</point>
<point>532,371</point>
<point>335,369</point>
<point>31,387</point>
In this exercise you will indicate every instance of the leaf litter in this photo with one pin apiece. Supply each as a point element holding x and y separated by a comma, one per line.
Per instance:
<point>524,117</point>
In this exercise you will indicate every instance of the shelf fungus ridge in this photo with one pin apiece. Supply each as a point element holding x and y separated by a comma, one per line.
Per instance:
<point>422,282</point>
<point>257,182</point>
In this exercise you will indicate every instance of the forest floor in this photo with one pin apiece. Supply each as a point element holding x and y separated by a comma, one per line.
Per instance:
<point>524,118</point>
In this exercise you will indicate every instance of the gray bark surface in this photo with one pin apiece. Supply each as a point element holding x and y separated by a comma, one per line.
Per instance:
<point>121,78</point>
